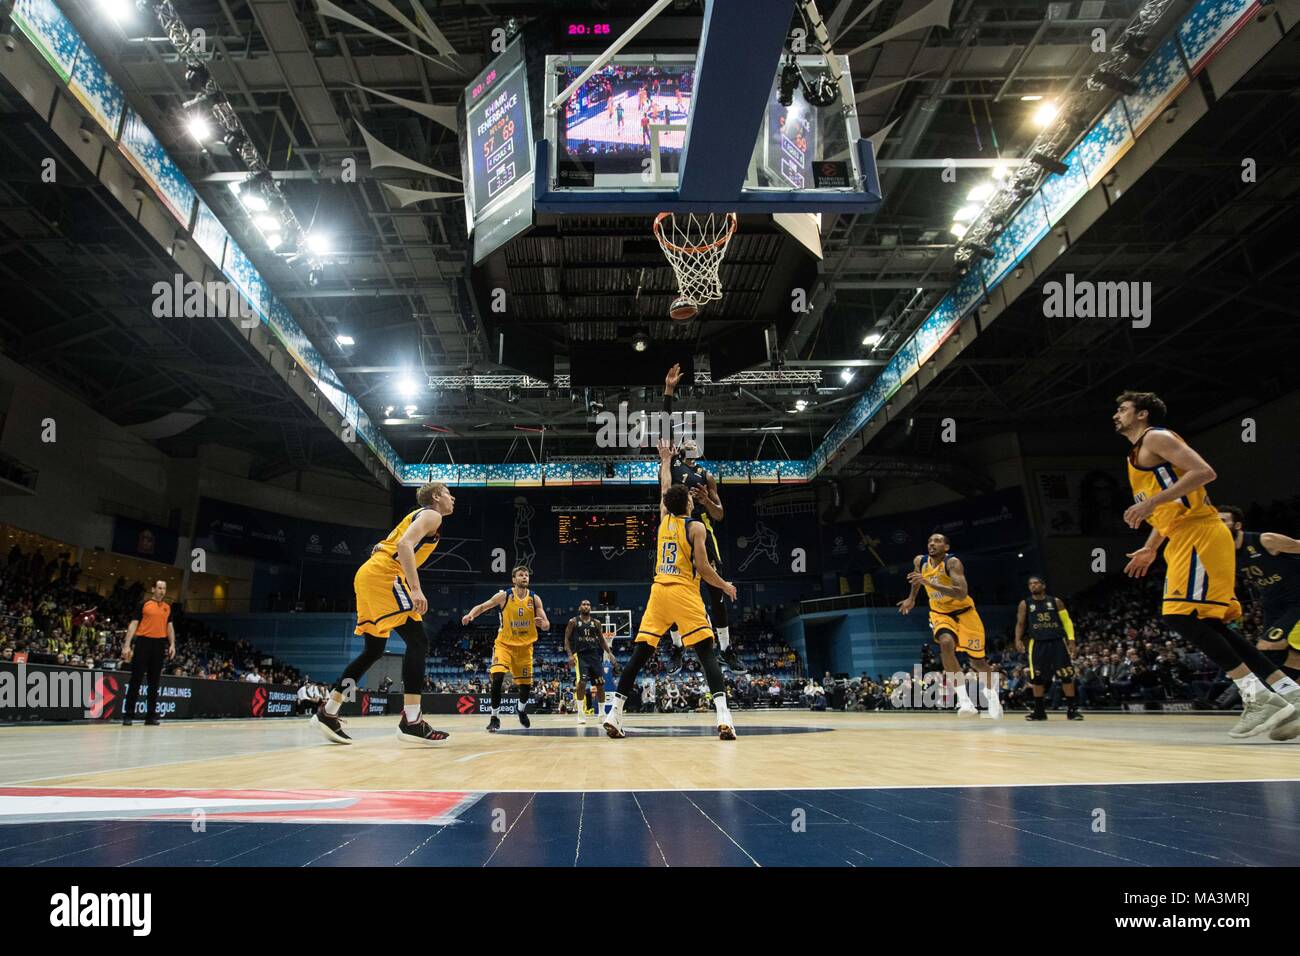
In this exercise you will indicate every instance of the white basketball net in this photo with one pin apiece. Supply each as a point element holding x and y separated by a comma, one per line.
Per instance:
<point>694,246</point>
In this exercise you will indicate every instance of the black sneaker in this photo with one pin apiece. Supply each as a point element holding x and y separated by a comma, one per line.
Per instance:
<point>127,722</point>
<point>152,722</point>
<point>420,733</point>
<point>1073,714</point>
<point>675,663</point>
<point>330,727</point>
<point>523,719</point>
<point>732,660</point>
<point>1035,715</point>
<point>494,725</point>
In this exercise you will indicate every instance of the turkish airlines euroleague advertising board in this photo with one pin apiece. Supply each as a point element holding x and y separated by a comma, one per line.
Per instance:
<point>42,692</point>
<point>370,703</point>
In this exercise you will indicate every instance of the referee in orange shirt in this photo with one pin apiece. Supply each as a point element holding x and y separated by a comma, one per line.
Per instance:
<point>152,623</point>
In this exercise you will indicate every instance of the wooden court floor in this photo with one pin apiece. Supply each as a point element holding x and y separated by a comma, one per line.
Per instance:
<point>776,749</point>
<point>797,789</point>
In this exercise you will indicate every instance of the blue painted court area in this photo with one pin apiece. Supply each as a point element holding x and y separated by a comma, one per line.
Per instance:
<point>1212,824</point>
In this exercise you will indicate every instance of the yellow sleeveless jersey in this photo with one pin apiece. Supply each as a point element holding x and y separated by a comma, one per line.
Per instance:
<point>938,574</point>
<point>388,547</point>
<point>518,620</point>
<point>1147,482</point>
<point>675,558</point>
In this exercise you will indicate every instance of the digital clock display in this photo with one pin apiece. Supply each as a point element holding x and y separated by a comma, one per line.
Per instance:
<point>589,29</point>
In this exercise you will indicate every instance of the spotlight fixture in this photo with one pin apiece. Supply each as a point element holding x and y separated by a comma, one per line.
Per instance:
<point>871,339</point>
<point>273,241</point>
<point>790,78</point>
<point>319,243</point>
<point>958,229</point>
<point>981,192</point>
<point>407,386</point>
<point>344,339</point>
<point>314,276</point>
<point>1054,166</point>
<point>1045,114</point>
<point>198,126</point>
<point>196,77</point>
<point>965,214</point>
<point>1116,81</point>
<point>410,411</point>
<point>641,342</point>
<point>846,375</point>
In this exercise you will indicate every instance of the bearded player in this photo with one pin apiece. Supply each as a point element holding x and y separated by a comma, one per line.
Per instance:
<point>522,614</point>
<point>1168,479</point>
<point>1270,564</point>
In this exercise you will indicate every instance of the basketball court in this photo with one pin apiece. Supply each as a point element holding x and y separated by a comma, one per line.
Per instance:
<point>796,789</point>
<point>282,292</point>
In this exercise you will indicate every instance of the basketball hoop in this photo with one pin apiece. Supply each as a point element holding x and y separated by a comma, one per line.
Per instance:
<point>694,247</point>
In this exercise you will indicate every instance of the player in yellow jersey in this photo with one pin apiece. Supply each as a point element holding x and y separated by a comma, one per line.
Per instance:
<point>389,598</point>
<point>954,622</point>
<point>1168,479</point>
<point>522,614</point>
<point>681,561</point>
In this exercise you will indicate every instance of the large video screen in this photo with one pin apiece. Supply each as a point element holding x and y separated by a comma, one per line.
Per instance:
<point>500,138</point>
<point>630,531</point>
<point>608,119</point>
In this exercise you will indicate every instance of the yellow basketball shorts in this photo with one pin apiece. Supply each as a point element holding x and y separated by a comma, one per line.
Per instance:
<point>964,625</point>
<point>383,598</point>
<point>515,659</point>
<point>678,604</point>
<point>1201,564</point>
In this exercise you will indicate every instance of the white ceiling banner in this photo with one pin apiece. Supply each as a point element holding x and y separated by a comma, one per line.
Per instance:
<point>409,197</point>
<point>382,156</point>
<point>445,115</point>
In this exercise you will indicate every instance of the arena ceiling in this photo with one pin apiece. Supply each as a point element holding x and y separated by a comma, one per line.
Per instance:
<point>77,271</point>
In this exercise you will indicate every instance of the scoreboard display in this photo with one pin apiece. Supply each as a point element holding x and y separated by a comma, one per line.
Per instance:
<point>499,134</point>
<point>629,531</point>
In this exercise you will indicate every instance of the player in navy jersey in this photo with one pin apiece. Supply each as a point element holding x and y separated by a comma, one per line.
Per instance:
<point>1269,563</point>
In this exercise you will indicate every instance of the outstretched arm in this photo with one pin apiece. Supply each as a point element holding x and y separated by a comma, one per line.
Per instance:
<point>665,473</point>
<point>1275,543</point>
<point>496,600</point>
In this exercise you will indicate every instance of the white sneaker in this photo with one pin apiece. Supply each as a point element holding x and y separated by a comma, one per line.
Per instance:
<point>1265,712</point>
<point>582,718</point>
<point>1288,728</point>
<point>613,724</point>
<point>966,709</point>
